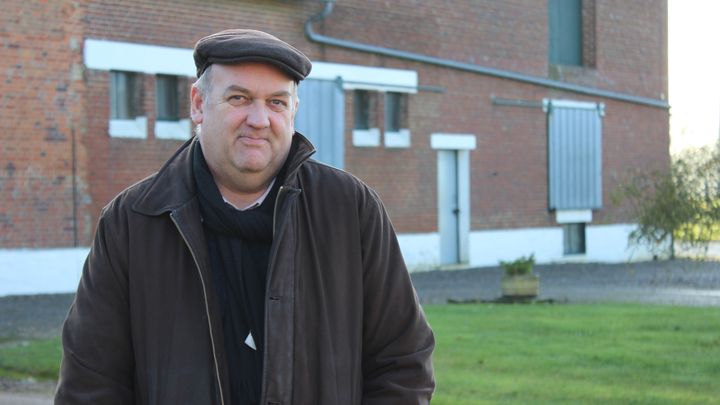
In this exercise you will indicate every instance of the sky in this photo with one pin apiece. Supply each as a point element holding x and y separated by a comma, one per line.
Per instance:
<point>694,72</point>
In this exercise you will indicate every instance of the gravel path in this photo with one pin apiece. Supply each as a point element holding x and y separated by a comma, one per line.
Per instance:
<point>679,282</point>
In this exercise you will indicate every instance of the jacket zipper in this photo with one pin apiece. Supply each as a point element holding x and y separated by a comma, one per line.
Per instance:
<point>275,208</point>
<point>207,308</point>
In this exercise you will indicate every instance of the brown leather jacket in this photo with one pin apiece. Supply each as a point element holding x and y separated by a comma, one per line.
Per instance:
<point>343,324</point>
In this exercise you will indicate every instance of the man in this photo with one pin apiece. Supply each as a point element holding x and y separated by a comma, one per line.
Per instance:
<point>243,272</point>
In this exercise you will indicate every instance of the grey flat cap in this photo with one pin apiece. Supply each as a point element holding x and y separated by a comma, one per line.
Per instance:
<point>241,45</point>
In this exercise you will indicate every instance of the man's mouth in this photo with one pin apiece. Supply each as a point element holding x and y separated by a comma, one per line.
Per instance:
<point>252,141</point>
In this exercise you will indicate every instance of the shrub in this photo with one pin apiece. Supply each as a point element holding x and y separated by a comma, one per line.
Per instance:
<point>680,204</point>
<point>520,266</point>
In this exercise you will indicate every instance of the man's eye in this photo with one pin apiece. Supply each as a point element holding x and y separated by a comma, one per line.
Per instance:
<point>237,99</point>
<point>278,103</point>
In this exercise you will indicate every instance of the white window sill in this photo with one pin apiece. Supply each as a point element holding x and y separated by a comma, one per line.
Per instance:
<point>179,130</point>
<point>366,138</point>
<point>573,216</point>
<point>135,128</point>
<point>399,139</point>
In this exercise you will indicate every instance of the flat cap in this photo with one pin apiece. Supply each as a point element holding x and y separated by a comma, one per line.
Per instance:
<point>243,45</point>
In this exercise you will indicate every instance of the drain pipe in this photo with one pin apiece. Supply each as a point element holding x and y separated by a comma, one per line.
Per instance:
<point>468,67</point>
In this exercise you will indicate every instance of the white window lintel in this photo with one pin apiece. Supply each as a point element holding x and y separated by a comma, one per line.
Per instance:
<point>453,141</point>
<point>357,77</point>
<point>150,59</point>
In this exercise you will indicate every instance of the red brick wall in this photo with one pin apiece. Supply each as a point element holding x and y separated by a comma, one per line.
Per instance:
<point>509,175</point>
<point>509,167</point>
<point>40,115</point>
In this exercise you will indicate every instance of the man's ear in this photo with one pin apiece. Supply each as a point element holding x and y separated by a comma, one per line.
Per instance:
<point>297,104</point>
<point>196,105</point>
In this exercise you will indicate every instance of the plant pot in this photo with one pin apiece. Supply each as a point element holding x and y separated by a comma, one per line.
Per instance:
<point>522,286</point>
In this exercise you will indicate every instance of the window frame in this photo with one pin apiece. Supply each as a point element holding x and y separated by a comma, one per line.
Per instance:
<point>167,98</point>
<point>574,238</point>
<point>361,109</point>
<point>565,32</point>
<point>365,133</point>
<point>125,90</point>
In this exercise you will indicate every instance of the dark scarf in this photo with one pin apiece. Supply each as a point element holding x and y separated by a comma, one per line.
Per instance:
<point>239,249</point>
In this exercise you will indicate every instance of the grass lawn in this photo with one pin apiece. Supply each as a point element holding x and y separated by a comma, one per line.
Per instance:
<point>535,354</point>
<point>576,354</point>
<point>39,359</point>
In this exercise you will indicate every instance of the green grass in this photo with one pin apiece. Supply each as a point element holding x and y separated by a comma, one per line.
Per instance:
<point>570,354</point>
<point>535,354</point>
<point>39,359</point>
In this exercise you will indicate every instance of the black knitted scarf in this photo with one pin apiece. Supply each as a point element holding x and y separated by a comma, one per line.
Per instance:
<point>239,249</point>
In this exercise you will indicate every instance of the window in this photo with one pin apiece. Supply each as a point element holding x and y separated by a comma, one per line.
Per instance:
<point>361,105</point>
<point>127,118</point>
<point>125,95</point>
<point>365,133</point>
<point>396,133</point>
<point>172,121</point>
<point>166,97</point>
<point>395,111</point>
<point>565,28</point>
<point>574,238</point>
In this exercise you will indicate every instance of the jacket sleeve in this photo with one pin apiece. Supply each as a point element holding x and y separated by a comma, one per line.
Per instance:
<point>397,340</point>
<point>97,364</point>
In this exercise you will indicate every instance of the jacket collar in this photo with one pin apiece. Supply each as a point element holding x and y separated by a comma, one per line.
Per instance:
<point>173,185</point>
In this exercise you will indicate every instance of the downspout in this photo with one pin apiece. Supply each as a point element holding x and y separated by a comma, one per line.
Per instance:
<point>73,153</point>
<point>468,67</point>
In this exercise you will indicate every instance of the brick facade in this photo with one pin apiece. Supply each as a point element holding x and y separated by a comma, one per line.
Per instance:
<point>41,123</point>
<point>51,102</point>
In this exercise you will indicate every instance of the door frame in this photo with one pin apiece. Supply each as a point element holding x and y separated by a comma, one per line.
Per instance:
<point>462,144</point>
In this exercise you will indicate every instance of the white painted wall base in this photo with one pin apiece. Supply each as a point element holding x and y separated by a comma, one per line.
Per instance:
<point>487,248</point>
<point>604,244</point>
<point>40,271</point>
<point>421,251</point>
<point>47,271</point>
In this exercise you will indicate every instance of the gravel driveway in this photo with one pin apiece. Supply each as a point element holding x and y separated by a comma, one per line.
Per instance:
<point>678,282</point>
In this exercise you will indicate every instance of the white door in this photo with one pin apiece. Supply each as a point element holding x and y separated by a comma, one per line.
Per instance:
<point>448,206</point>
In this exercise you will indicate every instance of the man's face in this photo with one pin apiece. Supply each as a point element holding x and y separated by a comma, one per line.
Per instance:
<point>247,116</point>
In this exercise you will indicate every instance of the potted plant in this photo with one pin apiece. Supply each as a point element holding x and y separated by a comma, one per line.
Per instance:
<point>519,281</point>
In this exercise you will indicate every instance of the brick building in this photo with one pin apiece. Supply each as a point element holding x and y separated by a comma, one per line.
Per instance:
<point>490,129</point>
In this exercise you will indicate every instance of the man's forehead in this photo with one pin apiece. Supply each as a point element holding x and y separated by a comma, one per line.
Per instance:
<point>234,88</point>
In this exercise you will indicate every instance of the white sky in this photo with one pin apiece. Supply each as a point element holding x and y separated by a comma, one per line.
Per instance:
<point>694,70</point>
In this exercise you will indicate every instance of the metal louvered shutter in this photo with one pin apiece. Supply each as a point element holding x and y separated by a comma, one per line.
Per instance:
<point>321,118</point>
<point>574,154</point>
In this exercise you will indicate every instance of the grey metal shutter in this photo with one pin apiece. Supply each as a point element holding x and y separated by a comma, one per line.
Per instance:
<point>574,154</point>
<point>321,118</point>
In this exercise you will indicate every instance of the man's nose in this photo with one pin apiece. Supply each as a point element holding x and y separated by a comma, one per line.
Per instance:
<point>258,116</point>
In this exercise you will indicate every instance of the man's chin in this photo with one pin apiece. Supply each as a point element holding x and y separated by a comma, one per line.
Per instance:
<point>255,167</point>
